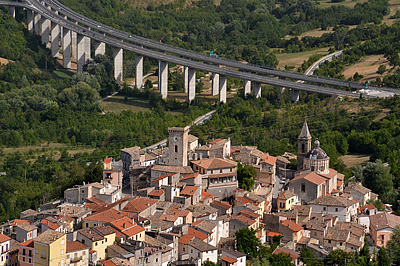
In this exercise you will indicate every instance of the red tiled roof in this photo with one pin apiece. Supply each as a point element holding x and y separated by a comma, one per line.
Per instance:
<point>339,183</point>
<point>188,176</point>
<point>4,238</point>
<point>205,195</point>
<point>106,216</point>
<point>189,190</point>
<point>122,223</point>
<point>272,234</point>
<point>185,239</point>
<point>229,259</point>
<point>96,201</point>
<point>222,204</point>
<point>250,214</point>
<point>197,234</point>
<point>19,222</point>
<point>134,230</point>
<point>108,160</point>
<point>28,243</point>
<point>331,173</point>
<point>268,159</point>
<point>369,207</point>
<point>169,217</point>
<point>157,192</point>
<point>75,245</point>
<point>161,177</point>
<point>215,163</point>
<point>293,254</point>
<point>139,204</point>
<point>244,200</point>
<point>50,225</point>
<point>244,219</point>
<point>335,191</point>
<point>311,177</point>
<point>108,263</point>
<point>291,225</point>
<point>215,141</point>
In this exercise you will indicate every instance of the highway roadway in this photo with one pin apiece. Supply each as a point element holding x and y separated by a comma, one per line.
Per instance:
<point>43,11</point>
<point>94,25</point>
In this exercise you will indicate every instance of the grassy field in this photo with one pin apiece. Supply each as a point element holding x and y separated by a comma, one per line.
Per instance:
<point>117,104</point>
<point>354,159</point>
<point>296,59</point>
<point>346,3</point>
<point>367,67</point>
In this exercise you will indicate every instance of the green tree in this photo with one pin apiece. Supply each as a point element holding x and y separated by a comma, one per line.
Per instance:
<point>381,69</point>
<point>209,263</point>
<point>247,242</point>
<point>337,257</point>
<point>281,259</point>
<point>246,176</point>
<point>308,258</point>
<point>393,246</point>
<point>383,258</point>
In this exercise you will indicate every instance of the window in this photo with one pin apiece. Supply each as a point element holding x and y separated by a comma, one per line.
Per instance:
<point>336,209</point>
<point>176,148</point>
<point>303,149</point>
<point>87,224</point>
<point>62,251</point>
<point>156,259</point>
<point>62,241</point>
<point>324,209</point>
<point>83,241</point>
<point>329,241</point>
<point>105,239</point>
<point>220,170</point>
<point>30,253</point>
<point>62,262</point>
<point>23,252</point>
<point>67,256</point>
<point>83,253</point>
<point>95,244</point>
<point>44,255</point>
<point>30,260</point>
<point>184,249</point>
<point>37,251</point>
<point>23,258</point>
<point>303,187</point>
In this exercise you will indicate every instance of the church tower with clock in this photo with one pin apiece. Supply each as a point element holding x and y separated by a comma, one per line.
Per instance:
<point>178,146</point>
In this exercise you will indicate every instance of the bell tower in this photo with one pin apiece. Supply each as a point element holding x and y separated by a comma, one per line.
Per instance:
<point>304,145</point>
<point>178,146</point>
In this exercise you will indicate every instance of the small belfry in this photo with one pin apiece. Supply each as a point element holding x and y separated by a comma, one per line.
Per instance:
<point>304,145</point>
<point>178,146</point>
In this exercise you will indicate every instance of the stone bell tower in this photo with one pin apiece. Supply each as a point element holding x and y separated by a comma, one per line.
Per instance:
<point>304,145</point>
<point>178,146</point>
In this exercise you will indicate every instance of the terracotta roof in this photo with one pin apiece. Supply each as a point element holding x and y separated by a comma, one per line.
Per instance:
<point>221,204</point>
<point>291,225</point>
<point>197,234</point>
<point>201,209</point>
<point>311,177</point>
<point>189,190</point>
<point>293,254</point>
<point>50,225</point>
<point>229,259</point>
<point>244,200</point>
<point>205,195</point>
<point>106,216</point>
<point>215,163</point>
<point>28,243</point>
<point>4,238</point>
<point>185,239</point>
<point>357,187</point>
<point>134,230</point>
<point>333,201</point>
<point>384,220</point>
<point>172,169</point>
<point>368,207</point>
<point>204,225</point>
<point>19,222</point>
<point>48,237</point>
<point>250,214</point>
<point>189,176</point>
<point>107,160</point>
<point>169,217</point>
<point>122,223</point>
<point>139,204</point>
<point>244,219</point>
<point>215,141</point>
<point>335,233</point>
<point>339,183</point>
<point>268,159</point>
<point>108,263</point>
<point>75,245</point>
<point>285,195</point>
<point>332,173</point>
<point>355,241</point>
<point>334,191</point>
<point>157,222</point>
<point>157,192</point>
<point>97,201</point>
<point>161,177</point>
<point>272,234</point>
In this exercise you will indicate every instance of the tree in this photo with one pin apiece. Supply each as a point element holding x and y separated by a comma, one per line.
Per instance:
<point>281,259</point>
<point>383,258</point>
<point>337,257</point>
<point>393,246</point>
<point>209,263</point>
<point>247,242</point>
<point>308,258</point>
<point>246,175</point>
<point>381,69</point>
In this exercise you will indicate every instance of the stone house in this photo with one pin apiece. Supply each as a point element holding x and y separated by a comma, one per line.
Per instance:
<point>381,227</point>
<point>308,186</point>
<point>25,232</point>
<point>224,208</point>
<point>241,221</point>
<point>142,206</point>
<point>286,200</point>
<point>192,192</point>
<point>345,209</point>
<point>131,157</point>
<point>26,253</point>
<point>5,243</point>
<point>77,254</point>
<point>239,257</point>
<point>358,192</point>
<point>290,231</point>
<point>200,252</point>
<point>112,172</point>
<point>98,238</point>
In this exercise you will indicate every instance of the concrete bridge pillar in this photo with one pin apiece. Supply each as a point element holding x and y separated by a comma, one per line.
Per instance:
<point>257,90</point>
<point>215,84</point>
<point>45,31</point>
<point>185,79</point>
<point>281,89</point>
<point>99,48</point>
<point>191,85</point>
<point>246,87</point>
<point>66,46</point>
<point>295,96</point>
<point>55,39</point>
<point>222,89</point>
<point>87,49</point>
<point>80,52</point>
<point>37,23</point>
<point>163,78</point>
<point>74,41</point>
<point>30,17</point>
<point>12,11</point>
<point>139,71</point>
<point>118,64</point>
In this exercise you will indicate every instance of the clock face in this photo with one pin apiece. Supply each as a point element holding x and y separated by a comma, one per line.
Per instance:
<point>175,138</point>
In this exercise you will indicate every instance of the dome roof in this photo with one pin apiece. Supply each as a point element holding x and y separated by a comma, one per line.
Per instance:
<point>316,153</point>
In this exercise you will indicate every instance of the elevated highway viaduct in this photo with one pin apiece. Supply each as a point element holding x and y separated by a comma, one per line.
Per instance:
<point>53,22</point>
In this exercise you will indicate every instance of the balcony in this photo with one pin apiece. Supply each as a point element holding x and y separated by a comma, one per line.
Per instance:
<point>77,259</point>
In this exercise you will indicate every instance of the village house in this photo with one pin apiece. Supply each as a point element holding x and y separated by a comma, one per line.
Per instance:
<point>286,200</point>
<point>293,254</point>
<point>343,208</point>
<point>381,227</point>
<point>5,243</point>
<point>290,231</point>
<point>50,248</point>
<point>200,252</point>
<point>109,193</point>
<point>77,254</point>
<point>129,229</point>
<point>25,231</point>
<point>112,172</point>
<point>26,252</point>
<point>232,257</point>
<point>358,192</point>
